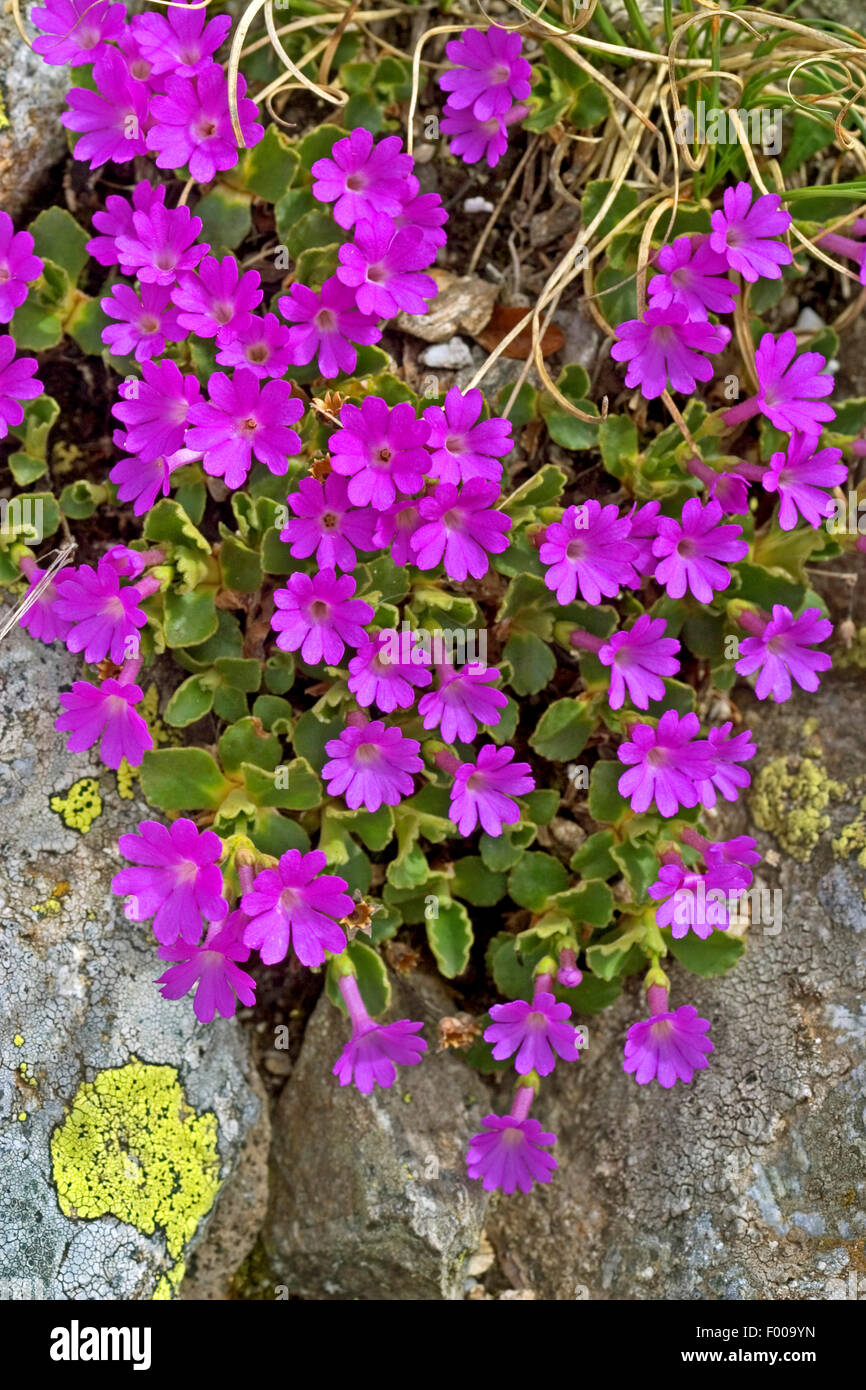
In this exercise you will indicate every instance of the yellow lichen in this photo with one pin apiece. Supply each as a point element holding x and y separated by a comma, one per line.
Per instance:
<point>81,806</point>
<point>18,1041</point>
<point>789,798</point>
<point>132,1147</point>
<point>126,780</point>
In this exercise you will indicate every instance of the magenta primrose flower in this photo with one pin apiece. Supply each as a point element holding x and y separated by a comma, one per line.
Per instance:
<point>741,850</point>
<point>161,244</point>
<point>490,73</point>
<point>371,765</point>
<point>460,527</point>
<point>484,790</point>
<point>425,211</point>
<point>326,325</point>
<point>668,1046</point>
<point>104,618</point>
<point>318,616</point>
<point>145,321</point>
<point>589,550</point>
<point>665,346</point>
<point>464,701</point>
<point>216,299</point>
<point>694,551</point>
<point>789,391</point>
<point>380,449</point>
<point>17,383</point>
<point>472,139</point>
<point>668,764</point>
<point>693,277</point>
<point>799,475</point>
<point>155,410</point>
<point>243,419</point>
<point>510,1151</point>
<point>181,41</point>
<point>382,266</point>
<point>326,524</point>
<point>638,659</point>
<point>212,969</point>
<point>193,126</point>
<point>18,267</point>
<point>296,904</point>
<point>40,619</point>
<point>141,482</point>
<point>727,751</point>
<point>779,650</point>
<point>394,529</point>
<point>534,1031</point>
<point>696,902</point>
<point>369,1057</point>
<point>363,177</point>
<point>108,713</point>
<point>463,446</point>
<point>745,233</point>
<point>117,220</point>
<point>376,678</point>
<point>643,529</point>
<point>111,121</point>
<point>76,31</point>
<point>261,343</point>
<point>177,879</point>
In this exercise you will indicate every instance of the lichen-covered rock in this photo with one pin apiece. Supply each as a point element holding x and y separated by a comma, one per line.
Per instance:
<point>121,1117</point>
<point>32,96</point>
<point>751,1182</point>
<point>369,1194</point>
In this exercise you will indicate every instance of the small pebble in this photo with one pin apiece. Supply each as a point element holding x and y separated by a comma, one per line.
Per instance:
<point>277,1063</point>
<point>477,205</point>
<point>447,356</point>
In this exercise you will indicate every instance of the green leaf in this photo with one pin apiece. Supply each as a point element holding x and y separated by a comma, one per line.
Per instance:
<point>532,662</point>
<point>715,956</point>
<point>535,878</point>
<point>375,828</point>
<point>25,468</point>
<point>189,618</point>
<point>617,951</point>
<point>499,852</point>
<point>590,901</point>
<point>592,995</point>
<point>58,237</point>
<point>511,969</point>
<point>605,802</point>
<point>478,884</point>
<point>243,673</point>
<point>183,779</point>
<point>269,168</point>
<point>293,786</point>
<point>275,713</point>
<point>191,701</point>
<point>541,806</point>
<point>618,441</point>
<point>372,977</point>
<point>85,325</point>
<point>275,834</point>
<point>247,742</point>
<point>310,736</point>
<point>563,730</point>
<point>640,866</point>
<point>225,215</point>
<point>241,567</point>
<point>318,144</point>
<point>450,937</point>
<point>596,191</point>
<point>80,499</point>
<point>594,859</point>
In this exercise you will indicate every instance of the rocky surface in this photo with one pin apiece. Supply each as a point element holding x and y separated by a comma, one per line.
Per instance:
<point>32,96</point>
<point>107,1203</point>
<point>369,1194</point>
<point>749,1184</point>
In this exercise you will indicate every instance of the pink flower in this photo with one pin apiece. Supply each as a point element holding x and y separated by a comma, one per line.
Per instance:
<point>462,445</point>
<point>319,616</point>
<point>381,265</point>
<point>800,475</point>
<point>463,702</point>
<point>779,651</point>
<point>296,903</point>
<point>177,879</point>
<point>638,658</point>
<point>789,391</point>
<point>155,410</point>
<point>40,620</point>
<point>472,139</point>
<point>18,266</point>
<point>107,713</point>
<point>381,450</point>
<point>490,73</point>
<point>668,765</point>
<point>379,676</point>
<point>193,125</point>
<point>116,221</point>
<point>510,1152</point>
<point>76,31</point>
<point>112,119</point>
<point>535,1031</point>
<point>161,244</point>
<point>589,550</point>
<point>146,321</point>
<point>17,383</point>
<point>261,344</point>
<point>461,526</point>
<point>693,551</point>
<point>669,1046</point>
<point>744,233</point>
<point>142,482</point>
<point>211,967</point>
<point>104,618</point>
<point>215,300</point>
<point>371,765</point>
<point>182,41</point>
<point>664,345</point>
<point>368,1058</point>
<point>725,775</point>
<point>363,177</point>
<point>693,277</point>
<point>326,326</point>
<point>243,420</point>
<point>395,527</point>
<point>696,902</point>
<point>425,211</point>
<point>483,790</point>
<point>325,522</point>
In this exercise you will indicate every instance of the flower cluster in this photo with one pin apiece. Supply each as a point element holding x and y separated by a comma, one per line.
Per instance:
<point>486,88</point>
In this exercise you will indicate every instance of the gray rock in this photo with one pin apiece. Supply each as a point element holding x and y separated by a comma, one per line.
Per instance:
<point>749,1183</point>
<point>32,96</point>
<point>114,1212</point>
<point>369,1195</point>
